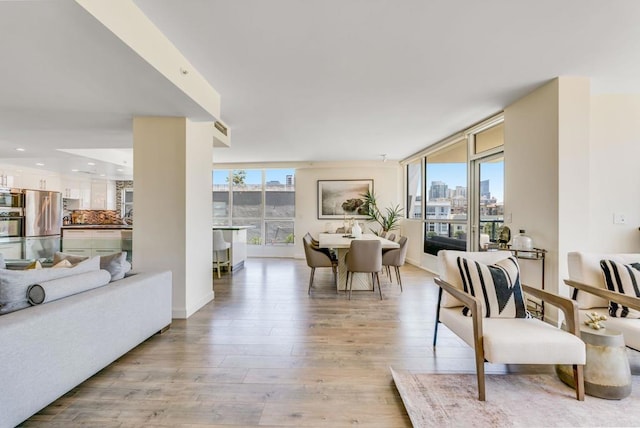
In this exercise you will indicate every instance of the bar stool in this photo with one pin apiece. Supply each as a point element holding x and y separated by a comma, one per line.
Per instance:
<point>219,244</point>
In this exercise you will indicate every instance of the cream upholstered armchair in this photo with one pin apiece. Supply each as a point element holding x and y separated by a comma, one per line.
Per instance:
<point>504,334</point>
<point>613,294</point>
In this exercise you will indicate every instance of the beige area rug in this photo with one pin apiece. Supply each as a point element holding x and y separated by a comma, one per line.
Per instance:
<point>514,400</point>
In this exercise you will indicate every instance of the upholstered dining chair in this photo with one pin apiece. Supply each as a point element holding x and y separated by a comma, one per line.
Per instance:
<point>219,244</point>
<point>482,301</point>
<point>317,258</point>
<point>395,257</point>
<point>364,256</point>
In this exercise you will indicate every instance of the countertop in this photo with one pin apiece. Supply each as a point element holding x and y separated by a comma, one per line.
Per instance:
<point>98,226</point>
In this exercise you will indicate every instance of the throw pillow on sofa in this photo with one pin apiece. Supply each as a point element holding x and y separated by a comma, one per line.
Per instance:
<point>14,283</point>
<point>47,291</point>
<point>116,264</point>
<point>72,258</point>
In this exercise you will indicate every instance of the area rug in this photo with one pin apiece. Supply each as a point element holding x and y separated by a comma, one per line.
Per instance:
<point>513,400</point>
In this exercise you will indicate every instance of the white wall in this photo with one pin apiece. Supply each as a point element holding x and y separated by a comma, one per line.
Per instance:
<point>614,173</point>
<point>387,185</point>
<point>172,174</point>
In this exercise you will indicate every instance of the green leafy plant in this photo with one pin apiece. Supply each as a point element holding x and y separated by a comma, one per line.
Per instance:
<point>388,219</point>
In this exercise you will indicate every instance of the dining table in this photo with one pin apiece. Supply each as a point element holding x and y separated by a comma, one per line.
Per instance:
<point>341,243</point>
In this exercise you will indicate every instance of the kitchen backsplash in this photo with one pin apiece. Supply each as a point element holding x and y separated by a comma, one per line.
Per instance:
<point>96,217</point>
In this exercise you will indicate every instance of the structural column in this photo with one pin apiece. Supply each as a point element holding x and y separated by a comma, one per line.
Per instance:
<point>173,211</point>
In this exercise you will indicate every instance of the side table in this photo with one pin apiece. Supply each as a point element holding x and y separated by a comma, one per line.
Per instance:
<point>606,372</point>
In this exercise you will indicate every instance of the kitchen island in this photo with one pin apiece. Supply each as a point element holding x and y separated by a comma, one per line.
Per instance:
<point>96,239</point>
<point>237,237</point>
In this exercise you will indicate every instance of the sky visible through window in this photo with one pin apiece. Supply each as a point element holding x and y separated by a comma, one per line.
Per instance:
<point>455,174</point>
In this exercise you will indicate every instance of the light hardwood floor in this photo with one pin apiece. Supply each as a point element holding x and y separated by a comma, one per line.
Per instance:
<point>266,354</point>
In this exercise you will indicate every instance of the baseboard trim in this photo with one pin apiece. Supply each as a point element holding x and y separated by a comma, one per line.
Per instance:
<point>182,313</point>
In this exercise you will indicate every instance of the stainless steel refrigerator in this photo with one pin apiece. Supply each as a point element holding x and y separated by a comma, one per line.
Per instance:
<point>42,223</point>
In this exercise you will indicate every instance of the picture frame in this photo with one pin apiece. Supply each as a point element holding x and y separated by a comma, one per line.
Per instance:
<point>335,197</point>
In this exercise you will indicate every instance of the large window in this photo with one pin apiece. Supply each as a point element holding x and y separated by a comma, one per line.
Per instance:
<point>447,203</point>
<point>462,194</point>
<point>263,199</point>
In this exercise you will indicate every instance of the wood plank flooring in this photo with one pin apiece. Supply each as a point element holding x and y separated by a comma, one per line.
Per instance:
<point>266,354</point>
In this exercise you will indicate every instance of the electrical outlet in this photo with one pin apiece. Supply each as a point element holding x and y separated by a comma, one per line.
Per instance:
<point>619,218</point>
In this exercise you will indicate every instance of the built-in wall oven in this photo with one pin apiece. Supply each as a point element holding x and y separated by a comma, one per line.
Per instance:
<point>11,224</point>
<point>11,198</point>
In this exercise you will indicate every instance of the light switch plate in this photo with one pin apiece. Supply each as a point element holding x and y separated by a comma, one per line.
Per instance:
<point>619,218</point>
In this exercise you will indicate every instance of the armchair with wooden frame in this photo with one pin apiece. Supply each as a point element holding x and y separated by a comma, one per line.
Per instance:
<point>507,340</point>
<point>592,295</point>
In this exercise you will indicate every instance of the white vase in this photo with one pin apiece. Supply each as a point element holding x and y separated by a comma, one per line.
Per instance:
<point>356,231</point>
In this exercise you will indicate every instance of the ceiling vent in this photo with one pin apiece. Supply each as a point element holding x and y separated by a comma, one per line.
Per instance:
<point>220,127</point>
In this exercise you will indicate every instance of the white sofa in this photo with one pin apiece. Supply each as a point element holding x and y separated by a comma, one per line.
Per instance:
<point>48,349</point>
<point>591,294</point>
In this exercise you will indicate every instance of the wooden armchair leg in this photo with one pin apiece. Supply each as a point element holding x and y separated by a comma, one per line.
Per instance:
<point>578,376</point>
<point>480,375</point>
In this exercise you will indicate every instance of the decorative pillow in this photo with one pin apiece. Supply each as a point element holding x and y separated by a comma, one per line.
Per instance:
<point>47,291</point>
<point>624,279</point>
<point>116,264</point>
<point>34,265</point>
<point>497,286</point>
<point>14,283</point>
<point>62,264</point>
<point>72,258</point>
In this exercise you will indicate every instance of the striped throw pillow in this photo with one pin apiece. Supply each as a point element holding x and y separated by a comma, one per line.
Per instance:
<point>497,286</point>
<point>624,279</point>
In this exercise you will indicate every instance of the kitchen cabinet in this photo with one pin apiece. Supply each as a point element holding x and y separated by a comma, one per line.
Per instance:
<point>98,195</point>
<point>103,195</point>
<point>11,248</point>
<point>40,181</point>
<point>76,190</point>
<point>91,242</point>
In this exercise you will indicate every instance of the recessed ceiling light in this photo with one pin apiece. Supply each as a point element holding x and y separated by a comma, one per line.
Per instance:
<point>119,169</point>
<point>91,163</point>
<point>20,149</point>
<point>103,175</point>
<point>39,164</point>
<point>75,170</point>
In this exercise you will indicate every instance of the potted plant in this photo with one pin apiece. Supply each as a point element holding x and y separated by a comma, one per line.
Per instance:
<point>388,220</point>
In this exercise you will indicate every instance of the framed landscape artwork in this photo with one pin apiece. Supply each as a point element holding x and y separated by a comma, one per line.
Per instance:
<point>338,199</point>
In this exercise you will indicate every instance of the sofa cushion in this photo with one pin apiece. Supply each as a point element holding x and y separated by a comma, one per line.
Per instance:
<point>624,279</point>
<point>59,256</point>
<point>47,291</point>
<point>497,286</point>
<point>14,283</point>
<point>116,263</point>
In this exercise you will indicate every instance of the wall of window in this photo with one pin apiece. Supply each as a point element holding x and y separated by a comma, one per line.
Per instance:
<point>261,198</point>
<point>456,189</point>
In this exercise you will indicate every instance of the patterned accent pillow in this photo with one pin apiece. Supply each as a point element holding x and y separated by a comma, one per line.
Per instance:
<point>624,279</point>
<point>497,286</point>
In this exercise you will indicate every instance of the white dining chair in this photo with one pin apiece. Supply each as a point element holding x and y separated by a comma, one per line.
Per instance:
<point>219,244</point>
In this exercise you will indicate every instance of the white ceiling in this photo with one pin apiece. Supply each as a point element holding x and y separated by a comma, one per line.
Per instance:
<point>303,80</point>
